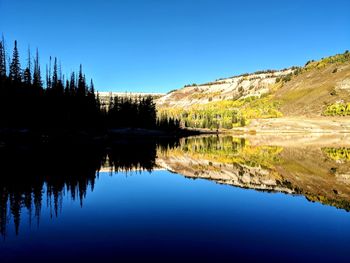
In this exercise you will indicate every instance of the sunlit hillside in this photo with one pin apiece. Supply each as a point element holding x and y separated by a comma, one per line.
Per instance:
<point>320,88</point>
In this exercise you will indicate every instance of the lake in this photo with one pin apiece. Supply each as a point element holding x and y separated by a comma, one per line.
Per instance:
<point>209,199</point>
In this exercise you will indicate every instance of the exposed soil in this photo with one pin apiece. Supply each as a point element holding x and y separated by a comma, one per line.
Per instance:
<point>300,125</point>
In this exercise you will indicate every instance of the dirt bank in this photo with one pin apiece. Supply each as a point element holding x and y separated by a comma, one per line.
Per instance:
<point>299,125</point>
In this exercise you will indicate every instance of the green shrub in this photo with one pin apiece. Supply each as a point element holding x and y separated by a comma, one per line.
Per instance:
<point>337,154</point>
<point>337,109</point>
<point>243,122</point>
<point>287,77</point>
<point>297,71</point>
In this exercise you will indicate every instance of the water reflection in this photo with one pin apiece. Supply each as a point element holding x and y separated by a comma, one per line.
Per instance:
<point>35,173</point>
<point>318,172</point>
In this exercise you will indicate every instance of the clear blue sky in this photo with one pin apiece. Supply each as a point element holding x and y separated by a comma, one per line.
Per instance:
<point>159,45</point>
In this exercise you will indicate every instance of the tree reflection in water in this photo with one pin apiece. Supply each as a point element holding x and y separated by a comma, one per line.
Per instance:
<point>33,172</point>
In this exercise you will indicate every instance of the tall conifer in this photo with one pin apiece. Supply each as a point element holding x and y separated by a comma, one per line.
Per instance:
<point>15,67</point>
<point>2,60</point>
<point>37,82</point>
<point>27,75</point>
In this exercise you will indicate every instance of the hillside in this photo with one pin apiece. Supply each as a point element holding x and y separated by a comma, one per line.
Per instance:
<point>320,89</point>
<point>233,88</point>
<point>320,84</point>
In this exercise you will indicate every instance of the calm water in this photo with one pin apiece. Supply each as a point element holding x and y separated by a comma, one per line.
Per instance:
<point>215,199</point>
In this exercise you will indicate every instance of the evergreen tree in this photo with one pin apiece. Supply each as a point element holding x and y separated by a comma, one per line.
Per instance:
<point>2,60</point>
<point>3,56</point>
<point>15,67</point>
<point>60,87</point>
<point>27,75</point>
<point>54,75</point>
<point>37,82</point>
<point>81,82</point>
<point>98,102</point>
<point>60,73</point>
<point>66,89</point>
<point>48,76</point>
<point>86,88</point>
<point>67,104</point>
<point>72,86</point>
<point>92,88</point>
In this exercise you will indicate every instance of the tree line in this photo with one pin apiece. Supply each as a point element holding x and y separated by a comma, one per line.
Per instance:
<point>60,102</point>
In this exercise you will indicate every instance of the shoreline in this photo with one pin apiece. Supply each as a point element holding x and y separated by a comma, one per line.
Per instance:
<point>283,126</point>
<point>288,125</point>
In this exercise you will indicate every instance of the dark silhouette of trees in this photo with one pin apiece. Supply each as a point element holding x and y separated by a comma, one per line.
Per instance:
<point>37,81</point>
<point>54,75</point>
<point>63,166</point>
<point>27,74</point>
<point>2,61</point>
<point>72,84</point>
<point>66,105</point>
<point>15,67</point>
<point>81,83</point>
<point>168,123</point>
<point>70,110</point>
<point>132,112</point>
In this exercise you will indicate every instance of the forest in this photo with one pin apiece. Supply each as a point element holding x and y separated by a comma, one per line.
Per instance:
<point>60,102</point>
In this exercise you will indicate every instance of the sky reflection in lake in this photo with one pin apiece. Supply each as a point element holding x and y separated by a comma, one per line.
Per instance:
<point>166,216</point>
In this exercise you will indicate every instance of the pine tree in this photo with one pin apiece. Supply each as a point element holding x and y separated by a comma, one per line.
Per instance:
<point>48,75</point>
<point>37,82</point>
<point>6,62</point>
<point>91,91</point>
<point>15,67</point>
<point>2,60</point>
<point>98,102</point>
<point>81,82</point>
<point>60,73</point>
<point>92,88</point>
<point>72,84</point>
<point>86,88</point>
<point>66,89</point>
<point>3,55</point>
<point>47,78</point>
<point>27,75</point>
<point>54,75</point>
<point>60,87</point>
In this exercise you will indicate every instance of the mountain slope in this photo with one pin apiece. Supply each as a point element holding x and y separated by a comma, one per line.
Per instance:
<point>295,92</point>
<point>256,84</point>
<point>317,86</point>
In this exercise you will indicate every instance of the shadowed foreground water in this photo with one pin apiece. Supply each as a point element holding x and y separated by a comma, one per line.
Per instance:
<point>248,202</point>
